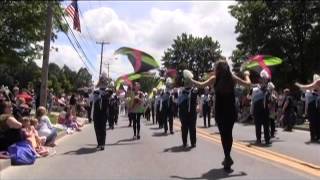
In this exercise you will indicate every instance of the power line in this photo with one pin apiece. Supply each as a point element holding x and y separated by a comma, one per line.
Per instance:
<point>76,41</point>
<point>74,45</point>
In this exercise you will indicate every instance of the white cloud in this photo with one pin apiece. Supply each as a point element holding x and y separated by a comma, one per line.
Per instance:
<point>155,33</point>
<point>105,25</point>
<point>65,55</point>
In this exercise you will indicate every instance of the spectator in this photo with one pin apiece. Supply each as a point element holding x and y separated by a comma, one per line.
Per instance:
<point>9,127</point>
<point>31,135</point>
<point>45,128</point>
<point>73,103</point>
<point>288,113</point>
<point>70,121</point>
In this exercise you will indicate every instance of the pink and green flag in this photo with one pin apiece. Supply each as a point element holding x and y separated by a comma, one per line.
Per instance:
<point>141,61</point>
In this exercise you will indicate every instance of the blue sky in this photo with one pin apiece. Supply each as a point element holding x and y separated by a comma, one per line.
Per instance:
<point>149,26</point>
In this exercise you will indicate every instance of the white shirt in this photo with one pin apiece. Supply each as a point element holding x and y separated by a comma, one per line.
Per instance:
<point>45,126</point>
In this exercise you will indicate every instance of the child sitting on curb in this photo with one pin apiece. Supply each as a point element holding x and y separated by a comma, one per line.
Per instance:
<point>31,135</point>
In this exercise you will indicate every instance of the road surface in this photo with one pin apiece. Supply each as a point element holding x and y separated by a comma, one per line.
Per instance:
<point>159,156</point>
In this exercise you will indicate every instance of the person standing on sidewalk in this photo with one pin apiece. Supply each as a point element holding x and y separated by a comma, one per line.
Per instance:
<point>288,113</point>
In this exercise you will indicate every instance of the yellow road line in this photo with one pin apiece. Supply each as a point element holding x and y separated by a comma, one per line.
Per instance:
<point>263,153</point>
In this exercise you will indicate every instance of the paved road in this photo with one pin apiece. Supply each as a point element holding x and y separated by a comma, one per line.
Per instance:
<point>155,156</point>
<point>295,144</point>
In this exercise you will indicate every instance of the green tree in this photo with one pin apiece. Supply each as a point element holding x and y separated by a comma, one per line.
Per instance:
<point>22,29</point>
<point>287,29</point>
<point>83,78</point>
<point>194,53</point>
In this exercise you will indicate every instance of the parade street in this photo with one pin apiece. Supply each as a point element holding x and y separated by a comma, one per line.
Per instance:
<point>159,156</point>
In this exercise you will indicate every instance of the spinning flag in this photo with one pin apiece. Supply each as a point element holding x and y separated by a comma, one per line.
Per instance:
<point>172,73</point>
<point>128,78</point>
<point>141,61</point>
<point>260,63</point>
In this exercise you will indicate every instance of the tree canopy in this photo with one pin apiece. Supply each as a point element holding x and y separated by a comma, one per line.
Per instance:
<point>197,54</point>
<point>286,29</point>
<point>22,32</point>
<point>22,29</point>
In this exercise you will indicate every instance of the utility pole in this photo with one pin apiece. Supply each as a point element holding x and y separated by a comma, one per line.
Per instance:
<point>102,44</point>
<point>108,65</point>
<point>46,51</point>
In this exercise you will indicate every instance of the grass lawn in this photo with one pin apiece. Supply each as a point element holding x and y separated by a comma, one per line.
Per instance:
<point>53,118</point>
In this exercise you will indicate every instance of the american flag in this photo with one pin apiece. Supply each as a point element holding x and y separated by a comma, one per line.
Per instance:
<point>73,12</point>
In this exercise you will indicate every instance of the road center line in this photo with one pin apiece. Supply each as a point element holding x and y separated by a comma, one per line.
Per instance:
<point>263,153</point>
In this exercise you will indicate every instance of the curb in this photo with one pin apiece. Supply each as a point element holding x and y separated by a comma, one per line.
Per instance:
<point>4,163</point>
<point>301,128</point>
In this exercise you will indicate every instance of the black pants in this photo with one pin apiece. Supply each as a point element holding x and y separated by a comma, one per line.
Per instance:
<point>147,114</point>
<point>130,116</point>
<point>225,129</point>
<point>262,119</point>
<point>160,119</point>
<point>111,120</point>
<point>206,111</point>
<point>168,118</point>
<point>272,127</point>
<point>115,118</point>
<point>100,129</point>
<point>88,108</point>
<point>313,127</point>
<point>188,125</point>
<point>136,123</point>
<point>288,121</point>
<point>152,114</point>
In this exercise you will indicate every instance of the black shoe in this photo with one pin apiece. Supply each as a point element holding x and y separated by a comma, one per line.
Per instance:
<point>184,145</point>
<point>258,141</point>
<point>193,145</point>
<point>272,136</point>
<point>165,132</point>
<point>171,132</point>
<point>138,137</point>
<point>268,143</point>
<point>100,148</point>
<point>227,163</point>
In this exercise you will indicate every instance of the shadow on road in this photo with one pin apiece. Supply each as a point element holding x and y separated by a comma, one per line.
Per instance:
<point>121,127</point>
<point>215,133</point>
<point>254,143</point>
<point>159,134</point>
<point>215,174</point>
<point>81,151</point>
<point>154,128</point>
<point>177,149</point>
<point>312,142</point>
<point>148,124</point>
<point>129,141</point>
